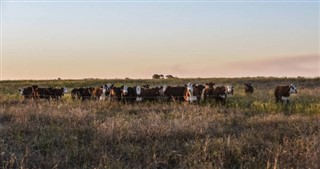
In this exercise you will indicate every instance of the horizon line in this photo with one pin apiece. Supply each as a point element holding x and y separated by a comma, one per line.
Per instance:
<point>128,78</point>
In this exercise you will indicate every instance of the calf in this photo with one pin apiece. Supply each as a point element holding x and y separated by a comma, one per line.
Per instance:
<point>282,93</point>
<point>248,88</point>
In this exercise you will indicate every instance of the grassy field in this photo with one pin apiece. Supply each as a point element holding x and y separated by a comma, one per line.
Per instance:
<point>248,132</point>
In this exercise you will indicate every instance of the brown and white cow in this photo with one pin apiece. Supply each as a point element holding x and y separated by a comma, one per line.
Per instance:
<point>220,93</point>
<point>207,92</point>
<point>248,88</point>
<point>193,93</point>
<point>175,93</point>
<point>115,93</point>
<point>282,93</point>
<point>100,92</point>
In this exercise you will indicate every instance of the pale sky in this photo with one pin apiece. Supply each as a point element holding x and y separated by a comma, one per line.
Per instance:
<point>136,39</point>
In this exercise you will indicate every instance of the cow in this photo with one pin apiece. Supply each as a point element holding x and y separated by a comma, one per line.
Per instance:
<point>130,94</point>
<point>282,93</point>
<point>207,92</point>
<point>115,93</point>
<point>57,93</point>
<point>193,92</point>
<point>149,94</point>
<point>82,93</point>
<point>27,92</point>
<point>220,94</point>
<point>173,93</point>
<point>37,92</point>
<point>248,88</point>
<point>229,90</point>
<point>43,93</point>
<point>100,92</point>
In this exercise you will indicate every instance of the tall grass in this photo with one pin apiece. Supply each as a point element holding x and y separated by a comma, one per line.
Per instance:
<point>248,132</point>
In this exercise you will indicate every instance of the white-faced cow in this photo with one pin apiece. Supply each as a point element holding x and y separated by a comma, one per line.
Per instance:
<point>220,93</point>
<point>100,92</point>
<point>193,93</point>
<point>131,94</point>
<point>282,93</point>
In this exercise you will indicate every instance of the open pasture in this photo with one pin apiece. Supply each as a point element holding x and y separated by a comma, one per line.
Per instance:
<point>248,132</point>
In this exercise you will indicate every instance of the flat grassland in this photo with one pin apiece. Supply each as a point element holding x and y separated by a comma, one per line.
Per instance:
<point>248,132</point>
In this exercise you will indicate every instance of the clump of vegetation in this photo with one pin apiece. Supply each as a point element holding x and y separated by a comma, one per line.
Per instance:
<point>248,132</point>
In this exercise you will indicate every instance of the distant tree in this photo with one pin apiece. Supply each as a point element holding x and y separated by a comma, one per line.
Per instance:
<point>169,77</point>
<point>156,76</point>
<point>161,76</point>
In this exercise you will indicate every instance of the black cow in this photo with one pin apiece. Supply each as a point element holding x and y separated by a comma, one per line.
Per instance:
<point>27,92</point>
<point>57,93</point>
<point>282,93</point>
<point>43,93</point>
<point>149,94</point>
<point>130,94</point>
<point>248,88</point>
<point>82,93</point>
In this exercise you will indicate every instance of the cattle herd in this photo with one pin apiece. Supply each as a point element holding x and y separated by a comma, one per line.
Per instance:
<point>188,93</point>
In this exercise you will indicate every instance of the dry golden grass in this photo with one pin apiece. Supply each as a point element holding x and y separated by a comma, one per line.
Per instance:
<point>249,132</point>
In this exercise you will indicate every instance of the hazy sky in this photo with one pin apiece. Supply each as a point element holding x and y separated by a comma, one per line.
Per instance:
<point>52,39</point>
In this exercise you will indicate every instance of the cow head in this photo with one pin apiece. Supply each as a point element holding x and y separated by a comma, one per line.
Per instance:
<point>138,90</point>
<point>229,90</point>
<point>106,88</point>
<point>124,90</point>
<point>189,90</point>
<point>209,85</point>
<point>163,89</point>
<point>65,90</point>
<point>293,88</point>
<point>21,91</point>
